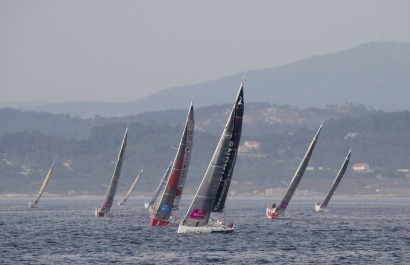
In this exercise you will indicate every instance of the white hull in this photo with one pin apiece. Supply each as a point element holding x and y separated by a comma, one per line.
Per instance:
<point>318,208</point>
<point>214,228</point>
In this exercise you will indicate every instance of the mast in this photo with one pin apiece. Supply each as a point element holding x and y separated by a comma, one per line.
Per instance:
<point>131,189</point>
<point>109,198</point>
<point>43,187</point>
<point>298,176</point>
<point>337,180</point>
<point>212,192</point>
<point>169,199</point>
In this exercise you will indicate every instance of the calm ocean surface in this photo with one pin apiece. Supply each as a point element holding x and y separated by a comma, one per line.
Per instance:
<point>65,231</point>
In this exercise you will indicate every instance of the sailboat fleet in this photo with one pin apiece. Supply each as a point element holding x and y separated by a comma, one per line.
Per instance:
<point>207,211</point>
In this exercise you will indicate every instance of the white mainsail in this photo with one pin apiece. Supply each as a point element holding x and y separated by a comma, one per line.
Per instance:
<point>278,212</point>
<point>34,204</point>
<point>105,210</point>
<point>213,190</point>
<point>160,187</point>
<point>122,202</point>
<point>322,206</point>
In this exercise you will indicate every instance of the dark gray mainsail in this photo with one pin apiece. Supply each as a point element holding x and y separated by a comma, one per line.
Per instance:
<point>109,198</point>
<point>279,210</point>
<point>336,181</point>
<point>212,192</point>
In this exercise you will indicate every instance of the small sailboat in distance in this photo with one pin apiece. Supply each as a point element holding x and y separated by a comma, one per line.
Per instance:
<point>278,212</point>
<point>105,210</point>
<point>34,204</point>
<point>166,207</point>
<point>322,206</point>
<point>122,202</point>
<point>213,190</point>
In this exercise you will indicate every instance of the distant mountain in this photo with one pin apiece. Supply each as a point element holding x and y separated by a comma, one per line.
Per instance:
<point>374,74</point>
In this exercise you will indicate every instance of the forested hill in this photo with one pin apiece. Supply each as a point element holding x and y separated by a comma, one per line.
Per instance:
<point>260,118</point>
<point>85,164</point>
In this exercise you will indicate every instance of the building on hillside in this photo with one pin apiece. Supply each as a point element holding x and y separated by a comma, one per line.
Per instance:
<point>250,149</point>
<point>361,167</point>
<point>249,146</point>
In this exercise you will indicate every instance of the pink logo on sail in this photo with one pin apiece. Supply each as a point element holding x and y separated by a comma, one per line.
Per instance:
<point>198,214</point>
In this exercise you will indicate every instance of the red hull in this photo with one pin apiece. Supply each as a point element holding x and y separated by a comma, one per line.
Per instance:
<point>159,222</point>
<point>271,214</point>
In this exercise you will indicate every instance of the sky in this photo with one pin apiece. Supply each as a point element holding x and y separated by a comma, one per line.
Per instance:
<point>120,51</point>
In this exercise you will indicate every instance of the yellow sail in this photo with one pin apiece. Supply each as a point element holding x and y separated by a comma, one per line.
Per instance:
<point>43,187</point>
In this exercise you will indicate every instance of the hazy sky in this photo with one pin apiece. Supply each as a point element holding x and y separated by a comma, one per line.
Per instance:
<point>124,50</point>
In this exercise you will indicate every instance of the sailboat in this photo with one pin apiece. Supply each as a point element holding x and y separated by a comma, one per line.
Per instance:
<point>149,205</point>
<point>122,202</point>
<point>166,207</point>
<point>278,212</point>
<point>34,204</point>
<point>213,190</point>
<point>105,210</point>
<point>322,206</point>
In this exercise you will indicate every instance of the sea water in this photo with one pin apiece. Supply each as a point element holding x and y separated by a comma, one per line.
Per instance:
<point>65,231</point>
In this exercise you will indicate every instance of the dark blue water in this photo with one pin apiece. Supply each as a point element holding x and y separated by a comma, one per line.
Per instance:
<point>65,231</point>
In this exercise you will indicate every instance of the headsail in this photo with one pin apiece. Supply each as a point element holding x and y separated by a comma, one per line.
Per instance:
<point>336,182</point>
<point>278,212</point>
<point>43,187</point>
<point>160,187</point>
<point>169,199</point>
<point>131,189</point>
<point>212,192</point>
<point>109,198</point>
